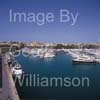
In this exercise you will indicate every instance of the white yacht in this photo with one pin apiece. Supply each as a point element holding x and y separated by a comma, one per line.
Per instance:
<point>16,68</point>
<point>26,51</point>
<point>84,59</point>
<point>43,53</point>
<point>49,55</point>
<point>96,55</point>
<point>97,58</point>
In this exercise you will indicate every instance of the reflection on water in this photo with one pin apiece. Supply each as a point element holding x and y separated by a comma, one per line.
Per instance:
<point>85,66</point>
<point>48,59</point>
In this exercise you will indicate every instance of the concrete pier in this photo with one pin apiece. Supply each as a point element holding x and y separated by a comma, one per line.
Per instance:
<point>1,94</point>
<point>9,90</point>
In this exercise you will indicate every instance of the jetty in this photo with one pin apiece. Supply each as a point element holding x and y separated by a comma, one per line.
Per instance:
<point>1,94</point>
<point>9,89</point>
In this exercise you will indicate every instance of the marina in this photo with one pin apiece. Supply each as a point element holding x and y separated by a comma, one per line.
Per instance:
<point>50,50</point>
<point>59,66</point>
<point>42,53</point>
<point>48,63</point>
<point>78,55</point>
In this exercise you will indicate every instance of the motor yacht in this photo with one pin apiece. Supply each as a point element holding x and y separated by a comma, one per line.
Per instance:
<point>16,68</point>
<point>49,55</point>
<point>84,59</point>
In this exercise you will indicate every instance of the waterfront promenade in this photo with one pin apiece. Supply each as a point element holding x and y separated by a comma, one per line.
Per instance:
<point>0,77</point>
<point>1,94</point>
<point>9,90</point>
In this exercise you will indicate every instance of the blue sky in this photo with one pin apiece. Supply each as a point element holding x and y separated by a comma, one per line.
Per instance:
<point>86,29</point>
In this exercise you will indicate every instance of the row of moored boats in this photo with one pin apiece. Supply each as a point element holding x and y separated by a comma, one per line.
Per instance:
<point>42,53</point>
<point>85,56</point>
<point>16,68</point>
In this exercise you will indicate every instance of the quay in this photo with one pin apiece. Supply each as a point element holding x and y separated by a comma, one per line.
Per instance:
<point>8,86</point>
<point>0,78</point>
<point>1,94</point>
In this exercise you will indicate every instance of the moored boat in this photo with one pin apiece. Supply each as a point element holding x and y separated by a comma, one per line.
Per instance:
<point>16,68</point>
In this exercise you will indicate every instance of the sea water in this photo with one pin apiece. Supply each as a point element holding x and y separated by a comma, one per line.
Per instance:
<point>60,66</point>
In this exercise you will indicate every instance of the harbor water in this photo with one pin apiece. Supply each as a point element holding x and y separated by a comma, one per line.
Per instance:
<point>60,66</point>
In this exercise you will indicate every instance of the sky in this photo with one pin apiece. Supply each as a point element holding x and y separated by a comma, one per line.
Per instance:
<point>86,28</point>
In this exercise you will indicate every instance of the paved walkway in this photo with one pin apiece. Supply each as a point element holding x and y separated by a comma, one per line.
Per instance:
<point>9,89</point>
<point>0,77</point>
<point>1,94</point>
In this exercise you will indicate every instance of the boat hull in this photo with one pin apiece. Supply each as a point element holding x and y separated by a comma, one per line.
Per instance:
<point>84,62</point>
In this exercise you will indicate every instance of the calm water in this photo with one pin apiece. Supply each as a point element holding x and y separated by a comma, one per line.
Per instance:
<point>60,66</point>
